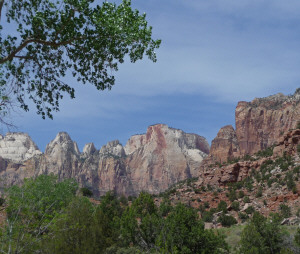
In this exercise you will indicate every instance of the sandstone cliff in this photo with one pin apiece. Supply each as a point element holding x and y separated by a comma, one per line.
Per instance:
<point>152,162</point>
<point>17,147</point>
<point>259,124</point>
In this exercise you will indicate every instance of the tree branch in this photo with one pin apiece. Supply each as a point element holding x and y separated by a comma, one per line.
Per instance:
<point>1,5</point>
<point>31,40</point>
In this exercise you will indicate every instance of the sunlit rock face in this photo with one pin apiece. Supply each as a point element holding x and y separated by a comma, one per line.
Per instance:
<point>17,147</point>
<point>89,149</point>
<point>163,156</point>
<point>261,122</point>
<point>113,148</point>
<point>151,162</point>
<point>225,145</point>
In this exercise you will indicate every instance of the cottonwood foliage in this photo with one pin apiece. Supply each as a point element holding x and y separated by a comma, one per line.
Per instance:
<point>53,39</point>
<point>45,216</point>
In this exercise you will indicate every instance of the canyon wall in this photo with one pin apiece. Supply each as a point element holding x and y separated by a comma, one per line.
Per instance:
<point>153,161</point>
<point>259,124</point>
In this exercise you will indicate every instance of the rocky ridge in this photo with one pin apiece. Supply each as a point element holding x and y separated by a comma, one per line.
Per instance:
<point>259,124</point>
<point>267,181</point>
<point>17,147</point>
<point>152,161</point>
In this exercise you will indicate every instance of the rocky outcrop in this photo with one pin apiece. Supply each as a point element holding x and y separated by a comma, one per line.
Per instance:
<point>113,148</point>
<point>152,162</point>
<point>163,156</point>
<point>17,147</point>
<point>261,122</point>
<point>288,143</point>
<point>89,149</point>
<point>225,145</point>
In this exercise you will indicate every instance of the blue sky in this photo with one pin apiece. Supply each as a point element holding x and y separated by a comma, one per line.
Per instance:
<point>213,54</point>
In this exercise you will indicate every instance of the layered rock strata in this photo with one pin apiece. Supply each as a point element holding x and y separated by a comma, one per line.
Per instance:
<point>152,162</point>
<point>259,124</point>
<point>17,147</point>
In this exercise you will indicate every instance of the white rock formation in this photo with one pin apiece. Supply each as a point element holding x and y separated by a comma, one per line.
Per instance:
<point>61,144</point>
<point>17,147</point>
<point>113,148</point>
<point>89,149</point>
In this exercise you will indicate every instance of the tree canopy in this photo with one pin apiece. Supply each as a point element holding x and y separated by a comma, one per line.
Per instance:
<point>55,39</point>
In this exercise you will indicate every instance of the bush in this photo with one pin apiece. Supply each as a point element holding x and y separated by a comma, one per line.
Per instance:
<point>206,204</point>
<point>246,199</point>
<point>290,181</point>
<point>222,206</point>
<point>285,211</point>
<point>235,206</point>
<point>297,237</point>
<point>241,194</point>
<point>232,195</point>
<point>207,216</point>
<point>86,192</point>
<point>243,216</point>
<point>265,153</point>
<point>227,220</point>
<point>2,201</point>
<point>250,210</point>
<point>259,192</point>
<point>261,236</point>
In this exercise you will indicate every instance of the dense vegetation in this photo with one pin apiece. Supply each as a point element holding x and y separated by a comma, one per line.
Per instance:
<point>47,216</point>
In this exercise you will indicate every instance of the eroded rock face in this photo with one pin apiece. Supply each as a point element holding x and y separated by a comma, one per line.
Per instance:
<point>152,162</point>
<point>162,157</point>
<point>225,145</point>
<point>113,148</point>
<point>89,149</point>
<point>261,122</point>
<point>17,147</point>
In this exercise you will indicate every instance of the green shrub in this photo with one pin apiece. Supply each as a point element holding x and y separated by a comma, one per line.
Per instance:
<point>246,199</point>
<point>294,190</point>
<point>241,194</point>
<point>285,211</point>
<point>265,153</point>
<point>290,181</point>
<point>2,201</point>
<point>235,206</point>
<point>298,125</point>
<point>261,236</point>
<point>297,237</point>
<point>270,182</point>
<point>201,208</point>
<point>250,210</point>
<point>227,220</point>
<point>259,192</point>
<point>207,216</point>
<point>232,195</point>
<point>222,206</point>
<point>206,204</point>
<point>86,192</point>
<point>249,184</point>
<point>243,216</point>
